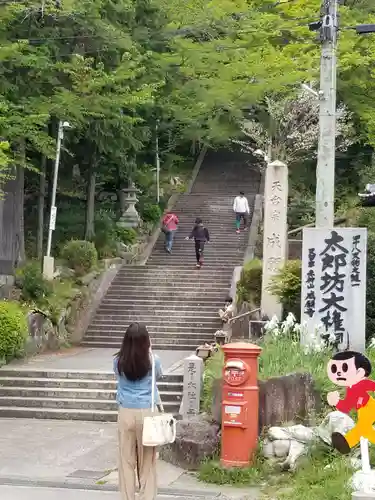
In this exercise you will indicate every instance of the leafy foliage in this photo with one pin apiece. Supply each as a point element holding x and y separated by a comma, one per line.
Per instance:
<point>80,256</point>
<point>32,283</point>
<point>13,330</point>
<point>249,286</point>
<point>286,285</point>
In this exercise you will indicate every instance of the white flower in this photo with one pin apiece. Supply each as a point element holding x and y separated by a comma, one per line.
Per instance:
<point>372,343</point>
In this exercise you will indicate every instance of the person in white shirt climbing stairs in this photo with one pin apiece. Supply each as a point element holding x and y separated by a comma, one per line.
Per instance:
<point>242,210</point>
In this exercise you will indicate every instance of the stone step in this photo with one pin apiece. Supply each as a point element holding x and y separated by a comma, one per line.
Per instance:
<point>72,404</point>
<point>136,301</point>
<point>168,338</point>
<point>160,343</point>
<point>58,414</point>
<point>180,329</point>
<point>121,319</point>
<point>107,376</point>
<point>85,394</point>
<point>163,288</point>
<point>170,296</point>
<point>69,383</point>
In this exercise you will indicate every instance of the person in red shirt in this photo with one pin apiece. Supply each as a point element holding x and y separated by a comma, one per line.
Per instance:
<point>169,227</point>
<point>351,370</point>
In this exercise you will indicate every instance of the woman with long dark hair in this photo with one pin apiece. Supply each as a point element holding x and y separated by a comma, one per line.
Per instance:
<point>133,368</point>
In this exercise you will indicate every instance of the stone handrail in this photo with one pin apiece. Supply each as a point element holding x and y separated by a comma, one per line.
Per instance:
<point>247,313</point>
<point>340,220</point>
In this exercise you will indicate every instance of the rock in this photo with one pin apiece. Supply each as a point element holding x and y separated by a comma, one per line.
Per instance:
<point>281,448</point>
<point>275,433</point>
<point>296,450</point>
<point>287,398</point>
<point>196,439</point>
<point>335,421</point>
<point>363,481</point>
<point>300,433</point>
<point>88,278</point>
<point>267,449</point>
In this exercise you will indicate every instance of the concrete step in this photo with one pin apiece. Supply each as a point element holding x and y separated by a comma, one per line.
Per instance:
<point>160,343</point>
<point>175,338</point>
<point>58,414</point>
<point>85,394</point>
<point>117,321</point>
<point>169,329</point>
<point>72,404</point>
<point>109,376</point>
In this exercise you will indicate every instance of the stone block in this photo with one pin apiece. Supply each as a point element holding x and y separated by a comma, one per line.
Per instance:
<point>193,377</point>
<point>287,399</point>
<point>281,399</point>
<point>196,439</point>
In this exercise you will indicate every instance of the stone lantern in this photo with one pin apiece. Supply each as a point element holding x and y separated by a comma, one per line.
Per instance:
<point>129,217</point>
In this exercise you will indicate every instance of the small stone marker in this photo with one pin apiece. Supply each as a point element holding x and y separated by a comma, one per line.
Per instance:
<point>193,377</point>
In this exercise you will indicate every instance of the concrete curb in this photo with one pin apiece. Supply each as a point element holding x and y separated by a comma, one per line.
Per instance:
<point>196,169</point>
<point>84,321</point>
<point>79,485</point>
<point>143,258</point>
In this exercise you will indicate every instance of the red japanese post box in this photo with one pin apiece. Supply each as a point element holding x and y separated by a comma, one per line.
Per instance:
<point>240,403</point>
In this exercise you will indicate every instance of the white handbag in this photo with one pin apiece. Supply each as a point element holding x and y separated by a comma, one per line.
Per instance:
<point>159,428</point>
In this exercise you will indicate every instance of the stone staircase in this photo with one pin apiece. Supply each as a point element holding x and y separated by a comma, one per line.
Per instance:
<point>179,303</point>
<point>71,395</point>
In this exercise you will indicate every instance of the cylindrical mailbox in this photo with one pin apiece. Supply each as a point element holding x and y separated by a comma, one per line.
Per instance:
<point>240,404</point>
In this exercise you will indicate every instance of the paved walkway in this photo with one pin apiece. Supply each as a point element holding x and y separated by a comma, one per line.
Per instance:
<point>81,455</point>
<point>83,358</point>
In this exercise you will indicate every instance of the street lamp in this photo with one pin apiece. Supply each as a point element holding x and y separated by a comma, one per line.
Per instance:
<point>318,95</point>
<point>48,261</point>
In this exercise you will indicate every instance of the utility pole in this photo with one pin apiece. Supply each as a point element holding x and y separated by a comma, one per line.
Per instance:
<point>157,159</point>
<point>48,261</point>
<point>325,170</point>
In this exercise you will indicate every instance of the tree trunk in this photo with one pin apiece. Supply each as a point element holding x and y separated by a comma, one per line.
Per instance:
<point>19,205</point>
<point>90,202</point>
<point>41,199</point>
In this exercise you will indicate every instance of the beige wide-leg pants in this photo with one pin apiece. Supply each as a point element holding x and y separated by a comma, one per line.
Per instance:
<point>135,457</point>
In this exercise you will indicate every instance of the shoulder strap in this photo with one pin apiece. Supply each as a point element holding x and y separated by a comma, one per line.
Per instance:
<point>153,383</point>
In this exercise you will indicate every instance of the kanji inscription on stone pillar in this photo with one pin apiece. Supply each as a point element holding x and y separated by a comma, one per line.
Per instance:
<point>275,232</point>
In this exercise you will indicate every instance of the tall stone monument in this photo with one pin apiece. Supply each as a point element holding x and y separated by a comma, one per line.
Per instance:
<point>275,238</point>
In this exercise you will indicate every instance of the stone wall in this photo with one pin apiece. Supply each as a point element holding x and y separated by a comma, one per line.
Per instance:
<point>290,398</point>
<point>47,333</point>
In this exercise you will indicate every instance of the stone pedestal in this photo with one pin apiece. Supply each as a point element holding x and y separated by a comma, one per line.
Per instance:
<point>358,495</point>
<point>129,217</point>
<point>275,233</point>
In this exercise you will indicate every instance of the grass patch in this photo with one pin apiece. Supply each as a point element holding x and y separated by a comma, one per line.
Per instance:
<point>212,472</point>
<point>321,475</point>
<point>212,371</point>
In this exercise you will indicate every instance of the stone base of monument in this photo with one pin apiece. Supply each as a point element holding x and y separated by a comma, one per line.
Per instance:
<point>363,482</point>
<point>256,329</point>
<point>197,439</point>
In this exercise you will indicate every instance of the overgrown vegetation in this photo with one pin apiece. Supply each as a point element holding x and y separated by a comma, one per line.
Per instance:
<point>81,256</point>
<point>13,330</point>
<point>249,286</point>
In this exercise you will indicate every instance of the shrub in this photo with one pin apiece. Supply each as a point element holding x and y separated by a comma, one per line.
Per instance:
<point>128,236</point>
<point>249,286</point>
<point>151,212</point>
<point>13,330</point>
<point>32,283</point>
<point>370,283</point>
<point>212,371</point>
<point>80,255</point>
<point>286,285</point>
